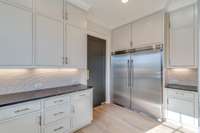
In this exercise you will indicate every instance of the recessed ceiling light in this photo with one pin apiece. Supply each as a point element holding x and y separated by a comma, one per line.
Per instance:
<point>124,1</point>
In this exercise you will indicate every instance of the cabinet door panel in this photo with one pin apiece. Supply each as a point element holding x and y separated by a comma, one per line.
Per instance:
<point>82,109</point>
<point>15,36</point>
<point>23,124</point>
<point>182,47</point>
<point>145,33</point>
<point>49,42</point>
<point>51,8</point>
<point>26,3</point>
<point>182,38</point>
<point>121,38</point>
<point>76,47</point>
<point>76,17</point>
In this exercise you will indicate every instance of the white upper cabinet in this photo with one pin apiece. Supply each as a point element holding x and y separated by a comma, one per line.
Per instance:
<point>49,42</point>
<point>148,30</point>
<point>15,36</point>
<point>75,47</point>
<point>50,8</point>
<point>182,38</point>
<point>75,16</point>
<point>121,38</point>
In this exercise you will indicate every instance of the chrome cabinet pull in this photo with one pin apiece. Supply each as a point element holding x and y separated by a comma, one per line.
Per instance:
<point>57,129</point>
<point>81,95</point>
<point>56,114</point>
<point>22,110</point>
<point>66,60</point>
<point>72,108</point>
<point>58,101</point>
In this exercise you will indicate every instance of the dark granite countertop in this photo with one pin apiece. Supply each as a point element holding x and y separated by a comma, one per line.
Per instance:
<point>182,87</point>
<point>9,99</point>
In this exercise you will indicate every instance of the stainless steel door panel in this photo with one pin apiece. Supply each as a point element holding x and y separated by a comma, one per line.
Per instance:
<point>120,80</point>
<point>147,83</point>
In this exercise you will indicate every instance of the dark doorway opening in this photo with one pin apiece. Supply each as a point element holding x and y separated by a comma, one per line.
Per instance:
<point>96,57</point>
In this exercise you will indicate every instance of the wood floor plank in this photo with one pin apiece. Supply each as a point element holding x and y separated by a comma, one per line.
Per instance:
<point>110,118</point>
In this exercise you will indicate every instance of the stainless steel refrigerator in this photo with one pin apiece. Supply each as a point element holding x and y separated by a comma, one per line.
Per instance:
<point>137,80</point>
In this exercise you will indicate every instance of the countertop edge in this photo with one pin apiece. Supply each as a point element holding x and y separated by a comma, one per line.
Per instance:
<point>11,99</point>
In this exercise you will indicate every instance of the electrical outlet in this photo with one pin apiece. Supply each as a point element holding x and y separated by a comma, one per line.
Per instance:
<point>75,82</point>
<point>38,85</point>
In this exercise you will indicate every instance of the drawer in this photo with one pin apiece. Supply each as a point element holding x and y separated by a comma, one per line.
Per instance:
<point>18,109</point>
<point>180,106</point>
<point>56,113</point>
<point>58,127</point>
<point>81,94</point>
<point>178,94</point>
<point>56,101</point>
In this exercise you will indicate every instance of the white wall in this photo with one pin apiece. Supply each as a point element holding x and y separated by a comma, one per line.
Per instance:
<point>199,55</point>
<point>99,31</point>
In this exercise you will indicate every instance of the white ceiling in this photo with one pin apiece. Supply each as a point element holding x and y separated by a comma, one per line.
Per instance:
<point>113,13</point>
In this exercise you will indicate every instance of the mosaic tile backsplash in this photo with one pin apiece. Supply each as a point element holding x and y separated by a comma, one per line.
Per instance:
<point>182,76</point>
<point>19,80</point>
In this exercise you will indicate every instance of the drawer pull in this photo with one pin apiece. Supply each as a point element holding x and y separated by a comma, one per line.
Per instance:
<point>58,101</point>
<point>57,129</point>
<point>179,93</point>
<point>56,114</point>
<point>82,95</point>
<point>22,110</point>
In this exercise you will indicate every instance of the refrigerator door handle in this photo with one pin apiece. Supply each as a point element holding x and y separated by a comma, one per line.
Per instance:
<point>128,62</point>
<point>131,73</point>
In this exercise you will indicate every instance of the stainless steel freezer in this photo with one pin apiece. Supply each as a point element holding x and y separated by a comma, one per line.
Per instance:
<point>137,80</point>
<point>120,76</point>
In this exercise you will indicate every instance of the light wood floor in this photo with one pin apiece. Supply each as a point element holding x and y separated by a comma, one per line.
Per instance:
<point>114,119</point>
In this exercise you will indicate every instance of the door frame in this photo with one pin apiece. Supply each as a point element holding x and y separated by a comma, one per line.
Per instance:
<point>106,37</point>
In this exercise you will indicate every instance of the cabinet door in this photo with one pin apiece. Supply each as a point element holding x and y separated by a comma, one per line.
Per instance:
<point>121,38</point>
<point>49,42</point>
<point>25,3</point>
<point>15,36</point>
<point>76,16</point>
<point>182,38</point>
<point>149,30</point>
<point>82,103</point>
<point>25,124</point>
<point>50,8</point>
<point>75,47</point>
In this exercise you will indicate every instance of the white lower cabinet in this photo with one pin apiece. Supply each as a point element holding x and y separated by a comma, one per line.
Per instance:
<point>82,109</point>
<point>59,114</point>
<point>28,123</point>
<point>62,126</point>
<point>182,107</point>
